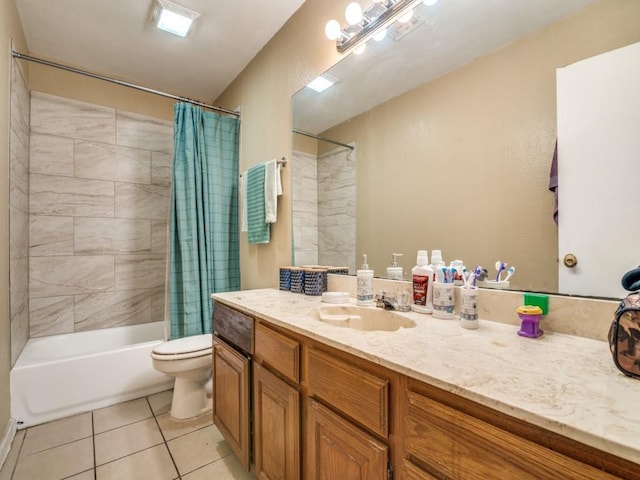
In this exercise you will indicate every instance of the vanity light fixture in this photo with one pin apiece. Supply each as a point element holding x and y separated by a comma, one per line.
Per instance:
<point>173,18</point>
<point>370,22</point>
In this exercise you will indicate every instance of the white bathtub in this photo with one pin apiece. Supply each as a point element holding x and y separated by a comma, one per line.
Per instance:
<point>66,374</point>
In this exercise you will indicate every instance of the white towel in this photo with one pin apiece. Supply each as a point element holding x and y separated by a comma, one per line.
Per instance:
<point>244,225</point>
<point>272,188</point>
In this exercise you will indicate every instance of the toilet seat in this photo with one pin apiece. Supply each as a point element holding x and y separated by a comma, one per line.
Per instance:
<point>183,348</point>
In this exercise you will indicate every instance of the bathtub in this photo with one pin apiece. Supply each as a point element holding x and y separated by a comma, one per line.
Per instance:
<point>66,374</point>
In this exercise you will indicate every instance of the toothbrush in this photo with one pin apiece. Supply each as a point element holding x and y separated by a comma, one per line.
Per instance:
<point>500,266</point>
<point>510,272</point>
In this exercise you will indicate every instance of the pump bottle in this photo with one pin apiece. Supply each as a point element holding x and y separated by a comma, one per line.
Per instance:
<point>394,272</point>
<point>365,284</point>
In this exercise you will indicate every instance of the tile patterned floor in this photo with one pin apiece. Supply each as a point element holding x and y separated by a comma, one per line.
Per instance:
<point>135,440</point>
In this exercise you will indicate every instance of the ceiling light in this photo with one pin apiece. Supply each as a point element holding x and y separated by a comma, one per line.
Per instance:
<point>173,18</point>
<point>320,84</point>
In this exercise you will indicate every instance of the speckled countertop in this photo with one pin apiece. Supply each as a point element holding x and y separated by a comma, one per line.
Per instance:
<point>564,383</point>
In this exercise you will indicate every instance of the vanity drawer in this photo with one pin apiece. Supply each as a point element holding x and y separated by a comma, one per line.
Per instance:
<point>233,326</point>
<point>455,445</point>
<point>278,352</point>
<point>357,393</point>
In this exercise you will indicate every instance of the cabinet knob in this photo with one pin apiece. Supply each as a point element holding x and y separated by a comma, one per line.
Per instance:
<point>570,260</point>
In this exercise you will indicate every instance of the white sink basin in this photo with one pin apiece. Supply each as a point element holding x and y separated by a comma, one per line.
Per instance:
<point>363,318</point>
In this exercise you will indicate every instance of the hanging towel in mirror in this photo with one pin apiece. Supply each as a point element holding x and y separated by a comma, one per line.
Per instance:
<point>244,227</point>
<point>258,228</point>
<point>272,188</point>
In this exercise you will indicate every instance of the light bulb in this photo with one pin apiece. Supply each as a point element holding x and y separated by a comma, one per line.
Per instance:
<point>381,35</point>
<point>406,17</point>
<point>332,30</point>
<point>353,13</point>
<point>360,49</point>
<point>430,3</point>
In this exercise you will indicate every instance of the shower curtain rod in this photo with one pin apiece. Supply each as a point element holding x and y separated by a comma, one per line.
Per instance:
<point>122,83</point>
<point>322,139</point>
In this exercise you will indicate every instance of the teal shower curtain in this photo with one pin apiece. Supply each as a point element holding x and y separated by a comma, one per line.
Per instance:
<point>203,232</point>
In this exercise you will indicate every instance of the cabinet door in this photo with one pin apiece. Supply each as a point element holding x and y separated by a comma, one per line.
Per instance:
<point>338,450</point>
<point>411,472</point>
<point>231,372</point>
<point>457,446</point>
<point>276,413</point>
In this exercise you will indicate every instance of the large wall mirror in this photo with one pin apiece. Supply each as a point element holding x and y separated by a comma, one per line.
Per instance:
<point>453,124</point>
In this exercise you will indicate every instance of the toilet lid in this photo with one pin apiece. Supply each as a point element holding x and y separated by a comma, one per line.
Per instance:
<point>181,346</point>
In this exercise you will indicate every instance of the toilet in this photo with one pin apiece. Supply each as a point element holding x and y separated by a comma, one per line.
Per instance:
<point>189,361</point>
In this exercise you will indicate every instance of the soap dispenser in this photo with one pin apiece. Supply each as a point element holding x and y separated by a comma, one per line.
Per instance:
<point>394,272</point>
<point>365,284</point>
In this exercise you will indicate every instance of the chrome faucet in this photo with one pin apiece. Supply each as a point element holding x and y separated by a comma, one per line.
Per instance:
<point>400,302</point>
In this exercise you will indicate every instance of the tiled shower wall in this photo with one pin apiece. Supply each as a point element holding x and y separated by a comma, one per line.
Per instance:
<point>305,208</point>
<point>19,211</point>
<point>324,208</point>
<point>98,207</point>
<point>337,208</point>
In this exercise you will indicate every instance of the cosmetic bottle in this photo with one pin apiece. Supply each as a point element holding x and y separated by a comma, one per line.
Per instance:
<point>394,272</point>
<point>422,277</point>
<point>365,284</point>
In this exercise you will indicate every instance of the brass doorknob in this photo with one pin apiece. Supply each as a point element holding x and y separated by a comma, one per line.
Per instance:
<point>570,260</point>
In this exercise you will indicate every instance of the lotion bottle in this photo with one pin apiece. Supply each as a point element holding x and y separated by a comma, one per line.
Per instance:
<point>422,276</point>
<point>394,272</point>
<point>365,284</point>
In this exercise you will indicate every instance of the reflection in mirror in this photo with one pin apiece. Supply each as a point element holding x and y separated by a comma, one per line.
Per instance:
<point>459,160</point>
<point>324,210</point>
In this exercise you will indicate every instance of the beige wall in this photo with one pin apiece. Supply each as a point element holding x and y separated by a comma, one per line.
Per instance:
<point>499,110</point>
<point>10,29</point>
<point>462,163</point>
<point>263,91</point>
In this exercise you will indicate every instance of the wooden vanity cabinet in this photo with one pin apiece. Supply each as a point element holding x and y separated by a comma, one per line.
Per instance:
<point>448,443</point>
<point>276,407</point>
<point>337,449</point>
<point>231,370</point>
<point>347,419</point>
<point>231,398</point>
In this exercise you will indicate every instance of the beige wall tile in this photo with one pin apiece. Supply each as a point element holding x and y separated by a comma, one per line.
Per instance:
<point>50,316</point>
<point>50,235</point>
<point>18,291</point>
<point>111,235</point>
<point>157,303</point>
<point>18,233</point>
<point>71,118</point>
<point>139,271</point>
<point>140,131</point>
<point>158,236</point>
<point>51,155</point>
<point>19,171</point>
<point>110,162</point>
<point>64,275</point>
<point>141,201</point>
<point>161,168</point>
<point>112,309</point>
<point>55,195</point>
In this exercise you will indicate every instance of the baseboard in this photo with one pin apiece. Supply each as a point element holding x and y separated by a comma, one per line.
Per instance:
<point>7,438</point>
